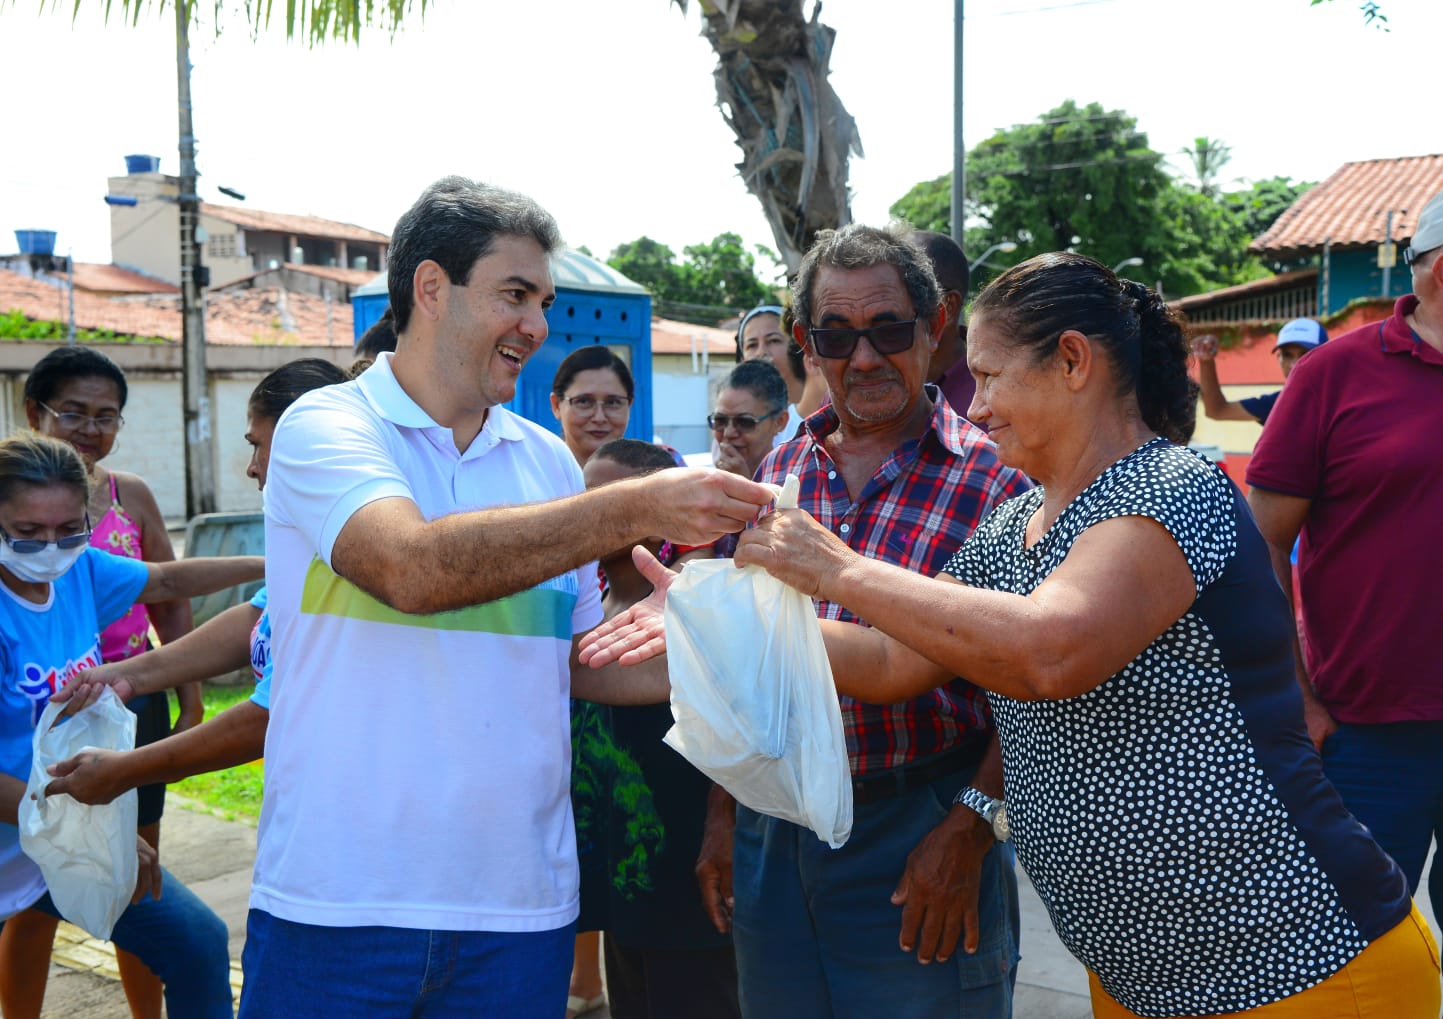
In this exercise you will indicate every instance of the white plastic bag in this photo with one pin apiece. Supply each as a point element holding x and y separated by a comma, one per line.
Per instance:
<point>752,693</point>
<point>86,853</point>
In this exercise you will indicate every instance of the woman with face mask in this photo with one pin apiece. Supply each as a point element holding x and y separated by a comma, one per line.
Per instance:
<point>77,394</point>
<point>56,594</point>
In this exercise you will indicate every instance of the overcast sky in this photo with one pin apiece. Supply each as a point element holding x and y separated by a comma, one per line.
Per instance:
<point>605,111</point>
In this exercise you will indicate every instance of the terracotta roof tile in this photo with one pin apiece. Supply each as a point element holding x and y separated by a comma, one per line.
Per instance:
<point>669,337</point>
<point>240,317</point>
<point>1351,206</point>
<point>287,223</point>
<point>112,279</point>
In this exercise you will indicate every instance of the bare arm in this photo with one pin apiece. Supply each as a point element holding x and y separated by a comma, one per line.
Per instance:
<point>1123,584</point>
<point>11,791</point>
<point>1280,518</point>
<point>417,566</point>
<point>236,736</point>
<point>172,619</point>
<point>189,578</point>
<point>218,646</point>
<point>646,683</point>
<point>1215,404</point>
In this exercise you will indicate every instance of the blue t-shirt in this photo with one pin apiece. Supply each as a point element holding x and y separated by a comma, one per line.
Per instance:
<point>43,647</point>
<point>1260,406</point>
<point>261,652</point>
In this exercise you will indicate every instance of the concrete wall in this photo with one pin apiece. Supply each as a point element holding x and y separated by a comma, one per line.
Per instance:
<point>682,397</point>
<point>152,442</point>
<point>146,236</point>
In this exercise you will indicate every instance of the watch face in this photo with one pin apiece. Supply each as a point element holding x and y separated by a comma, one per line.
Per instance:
<point>1000,827</point>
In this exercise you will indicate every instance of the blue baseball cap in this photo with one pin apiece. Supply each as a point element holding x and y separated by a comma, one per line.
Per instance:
<point>1302,332</point>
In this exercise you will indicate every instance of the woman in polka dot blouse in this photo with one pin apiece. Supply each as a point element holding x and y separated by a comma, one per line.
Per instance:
<point>1160,785</point>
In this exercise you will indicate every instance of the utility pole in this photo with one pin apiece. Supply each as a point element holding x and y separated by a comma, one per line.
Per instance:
<point>199,463</point>
<point>959,156</point>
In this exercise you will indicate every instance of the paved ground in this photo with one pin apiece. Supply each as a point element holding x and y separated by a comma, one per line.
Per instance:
<point>214,858</point>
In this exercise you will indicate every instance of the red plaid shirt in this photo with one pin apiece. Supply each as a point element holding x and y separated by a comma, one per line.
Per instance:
<point>923,502</point>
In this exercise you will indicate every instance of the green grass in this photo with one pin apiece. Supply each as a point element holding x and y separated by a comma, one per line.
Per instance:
<point>235,793</point>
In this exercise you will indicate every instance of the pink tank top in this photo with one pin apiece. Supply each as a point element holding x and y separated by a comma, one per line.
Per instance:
<point>119,535</point>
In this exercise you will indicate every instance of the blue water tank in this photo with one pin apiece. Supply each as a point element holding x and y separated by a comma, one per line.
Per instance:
<point>142,164</point>
<point>35,242</point>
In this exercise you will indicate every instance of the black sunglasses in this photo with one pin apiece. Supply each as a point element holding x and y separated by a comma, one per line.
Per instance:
<point>741,422</point>
<point>29,546</point>
<point>887,338</point>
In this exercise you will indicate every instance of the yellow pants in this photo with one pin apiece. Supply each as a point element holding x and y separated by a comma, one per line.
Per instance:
<point>1395,977</point>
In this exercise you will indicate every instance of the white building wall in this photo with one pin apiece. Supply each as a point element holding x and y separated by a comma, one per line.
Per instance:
<point>234,491</point>
<point>147,444</point>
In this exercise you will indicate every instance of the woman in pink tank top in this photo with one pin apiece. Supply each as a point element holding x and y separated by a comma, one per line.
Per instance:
<point>76,394</point>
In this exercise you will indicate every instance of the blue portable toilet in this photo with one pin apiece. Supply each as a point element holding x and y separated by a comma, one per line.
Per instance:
<point>594,304</point>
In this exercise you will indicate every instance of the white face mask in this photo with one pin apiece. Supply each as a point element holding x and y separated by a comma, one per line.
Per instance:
<point>43,567</point>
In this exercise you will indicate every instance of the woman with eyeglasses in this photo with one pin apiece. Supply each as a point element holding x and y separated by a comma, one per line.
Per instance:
<point>76,394</point>
<point>56,594</point>
<point>591,396</point>
<point>750,412</point>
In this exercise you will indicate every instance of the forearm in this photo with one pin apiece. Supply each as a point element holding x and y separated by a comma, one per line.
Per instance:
<point>190,578</point>
<point>235,736</point>
<point>219,646</point>
<point>646,683</point>
<point>11,791</point>
<point>472,558</point>
<point>1000,641</point>
<point>1214,402</point>
<point>988,777</point>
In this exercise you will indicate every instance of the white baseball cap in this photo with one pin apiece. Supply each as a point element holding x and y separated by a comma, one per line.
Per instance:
<point>1429,233</point>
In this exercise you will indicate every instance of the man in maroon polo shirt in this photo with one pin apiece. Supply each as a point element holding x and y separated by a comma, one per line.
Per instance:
<point>1351,458</point>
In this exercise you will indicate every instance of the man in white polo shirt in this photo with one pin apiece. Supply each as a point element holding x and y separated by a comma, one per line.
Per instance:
<point>429,564</point>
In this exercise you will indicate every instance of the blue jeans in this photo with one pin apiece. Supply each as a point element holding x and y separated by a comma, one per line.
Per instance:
<point>1391,777</point>
<point>183,942</point>
<point>296,970</point>
<point>816,933</point>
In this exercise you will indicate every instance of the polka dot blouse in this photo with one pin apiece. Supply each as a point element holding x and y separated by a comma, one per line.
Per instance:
<point>1175,819</point>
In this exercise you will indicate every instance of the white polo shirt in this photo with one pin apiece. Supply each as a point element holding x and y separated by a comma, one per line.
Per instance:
<point>417,767</point>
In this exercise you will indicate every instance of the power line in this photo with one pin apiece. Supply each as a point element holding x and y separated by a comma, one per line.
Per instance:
<point>1050,7</point>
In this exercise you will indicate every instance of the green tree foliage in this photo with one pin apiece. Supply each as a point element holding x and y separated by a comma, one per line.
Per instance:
<point>718,275</point>
<point>1085,178</point>
<point>1266,200</point>
<point>1208,156</point>
<point>16,325</point>
<point>317,21</point>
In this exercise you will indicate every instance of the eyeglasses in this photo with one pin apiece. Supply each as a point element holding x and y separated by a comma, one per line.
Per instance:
<point>887,338</point>
<point>106,424</point>
<point>29,546</point>
<point>611,406</point>
<point>743,423</point>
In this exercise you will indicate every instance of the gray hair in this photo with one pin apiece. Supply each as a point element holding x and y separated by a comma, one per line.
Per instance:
<point>862,247</point>
<point>762,380</point>
<point>30,459</point>
<point>455,223</point>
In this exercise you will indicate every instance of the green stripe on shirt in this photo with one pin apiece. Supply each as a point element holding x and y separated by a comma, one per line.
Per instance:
<point>538,612</point>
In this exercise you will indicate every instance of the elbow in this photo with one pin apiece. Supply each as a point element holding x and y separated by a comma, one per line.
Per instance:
<point>1056,674</point>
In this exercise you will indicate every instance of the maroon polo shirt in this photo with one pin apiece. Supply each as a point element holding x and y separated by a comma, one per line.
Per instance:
<point>1359,431</point>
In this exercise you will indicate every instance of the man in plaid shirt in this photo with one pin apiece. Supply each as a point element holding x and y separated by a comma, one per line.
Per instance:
<point>895,472</point>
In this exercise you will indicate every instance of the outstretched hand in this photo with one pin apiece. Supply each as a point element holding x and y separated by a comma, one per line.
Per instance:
<point>635,635</point>
<point>698,505</point>
<point>85,689</point>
